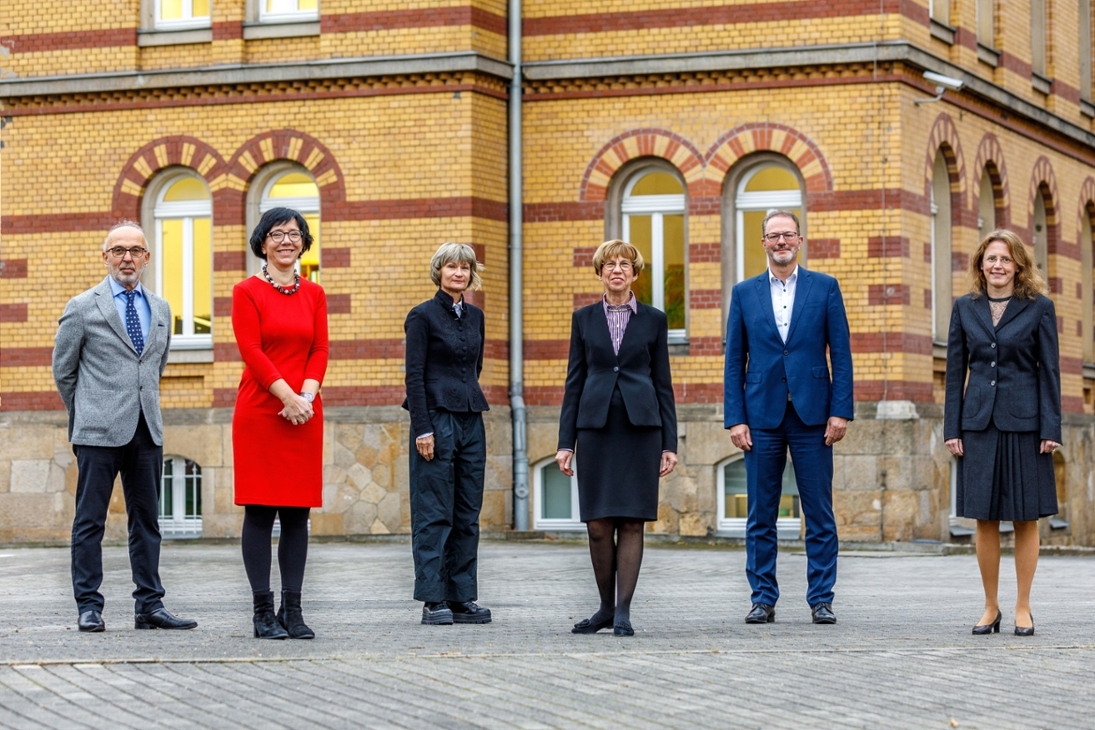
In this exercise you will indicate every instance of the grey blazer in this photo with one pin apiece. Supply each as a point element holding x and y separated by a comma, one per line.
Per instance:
<point>103,384</point>
<point>1014,369</point>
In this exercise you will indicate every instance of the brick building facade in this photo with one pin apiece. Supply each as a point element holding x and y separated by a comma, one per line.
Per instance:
<point>674,123</point>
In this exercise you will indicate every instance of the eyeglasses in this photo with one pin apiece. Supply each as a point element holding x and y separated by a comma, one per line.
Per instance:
<point>777,237</point>
<point>279,236</point>
<point>119,252</point>
<point>621,265</point>
<point>993,260</point>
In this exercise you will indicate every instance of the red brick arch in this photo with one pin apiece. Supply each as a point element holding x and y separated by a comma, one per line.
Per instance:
<point>944,137</point>
<point>142,166</point>
<point>990,155</point>
<point>1085,207</point>
<point>769,137</point>
<point>1042,174</point>
<point>636,143</point>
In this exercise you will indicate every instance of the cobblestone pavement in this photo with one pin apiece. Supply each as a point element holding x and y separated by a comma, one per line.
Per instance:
<point>901,655</point>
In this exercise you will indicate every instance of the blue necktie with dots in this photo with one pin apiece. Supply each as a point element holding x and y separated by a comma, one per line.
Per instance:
<point>133,323</point>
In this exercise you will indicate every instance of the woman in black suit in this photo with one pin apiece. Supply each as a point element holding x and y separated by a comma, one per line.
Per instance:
<point>618,408</point>
<point>1006,424</point>
<point>448,451</point>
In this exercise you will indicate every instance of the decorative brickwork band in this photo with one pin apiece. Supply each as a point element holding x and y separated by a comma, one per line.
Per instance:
<point>175,151</point>
<point>770,137</point>
<point>636,143</point>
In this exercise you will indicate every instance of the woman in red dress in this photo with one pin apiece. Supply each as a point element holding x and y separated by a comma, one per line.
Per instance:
<point>280,322</point>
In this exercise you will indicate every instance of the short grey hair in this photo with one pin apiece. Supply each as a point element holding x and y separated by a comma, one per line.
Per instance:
<point>123,224</point>
<point>780,214</point>
<point>450,252</point>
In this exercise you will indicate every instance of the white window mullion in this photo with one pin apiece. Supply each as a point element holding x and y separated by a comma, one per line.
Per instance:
<point>188,276</point>
<point>935,216</point>
<point>739,264</point>
<point>657,253</point>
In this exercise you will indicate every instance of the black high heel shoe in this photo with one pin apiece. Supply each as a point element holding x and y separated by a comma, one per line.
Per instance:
<point>1026,630</point>
<point>591,626</point>
<point>993,628</point>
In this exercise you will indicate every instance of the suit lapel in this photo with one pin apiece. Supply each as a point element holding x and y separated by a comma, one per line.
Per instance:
<point>104,297</point>
<point>1015,306</point>
<point>764,296</point>
<point>601,325</point>
<point>157,324</point>
<point>981,306</point>
<point>798,306</point>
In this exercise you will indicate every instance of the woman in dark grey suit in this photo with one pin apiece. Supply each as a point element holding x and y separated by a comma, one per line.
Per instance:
<point>448,454</point>
<point>618,407</point>
<point>1006,424</point>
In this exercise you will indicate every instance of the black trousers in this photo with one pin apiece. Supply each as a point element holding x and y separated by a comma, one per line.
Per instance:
<point>446,497</point>
<point>140,462</point>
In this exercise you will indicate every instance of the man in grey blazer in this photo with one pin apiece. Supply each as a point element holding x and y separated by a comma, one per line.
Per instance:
<point>110,351</point>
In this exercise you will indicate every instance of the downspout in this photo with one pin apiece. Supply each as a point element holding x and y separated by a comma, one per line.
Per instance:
<point>516,279</point>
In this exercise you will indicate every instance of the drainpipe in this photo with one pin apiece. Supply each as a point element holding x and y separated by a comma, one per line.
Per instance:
<point>516,280</point>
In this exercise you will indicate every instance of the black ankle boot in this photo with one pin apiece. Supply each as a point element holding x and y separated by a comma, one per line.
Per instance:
<point>290,617</point>
<point>266,623</point>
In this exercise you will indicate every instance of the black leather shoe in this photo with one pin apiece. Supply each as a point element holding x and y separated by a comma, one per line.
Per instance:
<point>161,618</point>
<point>436,614</point>
<point>823,613</point>
<point>1025,630</point>
<point>589,626</point>
<point>468,612</point>
<point>91,621</point>
<point>623,628</point>
<point>762,613</point>
<point>993,628</point>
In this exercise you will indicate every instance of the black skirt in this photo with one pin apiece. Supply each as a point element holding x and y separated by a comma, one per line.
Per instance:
<point>618,467</point>
<point>1003,477</point>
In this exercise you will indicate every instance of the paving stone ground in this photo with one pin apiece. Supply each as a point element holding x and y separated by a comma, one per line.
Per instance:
<point>901,655</point>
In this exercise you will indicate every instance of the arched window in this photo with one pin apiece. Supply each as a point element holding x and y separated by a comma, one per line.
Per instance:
<point>762,189</point>
<point>1041,231</point>
<point>1087,261</point>
<point>733,501</point>
<point>652,211</point>
<point>181,498</point>
<point>986,207</point>
<point>941,248</point>
<point>183,258</point>
<point>293,188</point>
<point>181,14</point>
<point>555,498</point>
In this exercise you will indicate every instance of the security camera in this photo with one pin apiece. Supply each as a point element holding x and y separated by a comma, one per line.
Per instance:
<point>942,85</point>
<point>946,82</point>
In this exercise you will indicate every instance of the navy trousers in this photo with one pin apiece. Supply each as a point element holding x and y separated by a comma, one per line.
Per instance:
<point>140,462</point>
<point>446,497</point>
<point>764,465</point>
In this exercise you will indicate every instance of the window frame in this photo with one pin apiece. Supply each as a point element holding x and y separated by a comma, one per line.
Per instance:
<point>176,526</point>
<point>1087,287</point>
<point>156,211</point>
<point>787,528</point>
<point>942,247</point>
<point>298,16</point>
<point>189,23</point>
<point>554,524</point>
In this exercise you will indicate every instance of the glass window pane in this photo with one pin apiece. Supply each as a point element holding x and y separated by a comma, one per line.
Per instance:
<point>312,5</point>
<point>193,489</point>
<point>309,262</point>
<point>673,232</point>
<point>735,491</point>
<point>294,185</point>
<point>641,234</point>
<point>203,276</point>
<point>166,493</point>
<point>752,249</point>
<point>201,9</point>
<point>171,263</point>
<point>555,499</point>
<point>658,183</point>
<point>171,10</point>
<point>188,188</point>
<point>986,206</point>
<point>772,178</point>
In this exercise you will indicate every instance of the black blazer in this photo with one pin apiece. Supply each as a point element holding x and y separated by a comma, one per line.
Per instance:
<point>444,360</point>
<point>641,371</point>
<point>1014,369</point>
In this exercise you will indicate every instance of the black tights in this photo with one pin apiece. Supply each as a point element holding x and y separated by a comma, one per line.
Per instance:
<point>616,547</point>
<point>258,525</point>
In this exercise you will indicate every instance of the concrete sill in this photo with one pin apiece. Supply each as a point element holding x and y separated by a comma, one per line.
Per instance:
<point>292,29</point>
<point>1087,108</point>
<point>148,38</point>
<point>943,32</point>
<point>1040,82</point>
<point>988,55</point>
<point>177,356</point>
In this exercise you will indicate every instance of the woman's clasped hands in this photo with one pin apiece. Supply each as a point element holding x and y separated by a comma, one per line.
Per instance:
<point>297,409</point>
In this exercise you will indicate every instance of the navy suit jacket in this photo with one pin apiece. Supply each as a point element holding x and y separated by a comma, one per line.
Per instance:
<point>641,371</point>
<point>761,369</point>
<point>1014,370</point>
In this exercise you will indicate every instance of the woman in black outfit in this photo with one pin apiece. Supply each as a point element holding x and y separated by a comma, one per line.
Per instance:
<point>618,408</point>
<point>1005,424</point>
<point>448,453</point>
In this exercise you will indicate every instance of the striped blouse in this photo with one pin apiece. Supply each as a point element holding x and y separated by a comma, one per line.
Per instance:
<point>618,316</point>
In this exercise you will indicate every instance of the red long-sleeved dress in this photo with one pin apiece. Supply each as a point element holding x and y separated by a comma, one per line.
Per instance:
<point>279,336</point>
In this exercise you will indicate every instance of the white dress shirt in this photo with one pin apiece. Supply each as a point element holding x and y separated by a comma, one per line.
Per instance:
<point>783,300</point>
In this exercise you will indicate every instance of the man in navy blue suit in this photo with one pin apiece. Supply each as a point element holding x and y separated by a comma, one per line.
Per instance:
<point>779,396</point>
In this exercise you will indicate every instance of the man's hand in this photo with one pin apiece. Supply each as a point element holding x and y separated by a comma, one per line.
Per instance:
<point>835,430</point>
<point>741,437</point>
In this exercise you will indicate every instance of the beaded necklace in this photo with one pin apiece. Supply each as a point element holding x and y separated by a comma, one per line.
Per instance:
<point>277,286</point>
